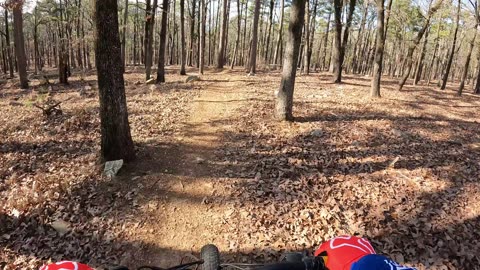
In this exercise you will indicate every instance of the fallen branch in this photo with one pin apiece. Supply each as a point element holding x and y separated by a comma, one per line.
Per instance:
<point>52,109</point>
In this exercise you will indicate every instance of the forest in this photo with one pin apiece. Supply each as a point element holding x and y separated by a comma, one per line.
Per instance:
<point>134,132</point>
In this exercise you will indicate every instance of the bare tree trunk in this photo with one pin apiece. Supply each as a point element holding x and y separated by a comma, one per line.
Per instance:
<point>340,44</point>
<point>325,42</point>
<point>223,36</point>
<point>284,95</point>
<point>306,46</point>
<point>9,50</point>
<point>269,30</point>
<point>452,51</point>
<point>387,16</point>
<point>280,32</point>
<point>116,140</point>
<point>20,44</point>
<point>419,68</point>
<point>237,39</point>
<point>379,47</point>
<point>124,33</point>
<point>253,51</point>
<point>182,37</point>
<point>192,33</point>
<point>467,63</point>
<point>203,9</point>
<point>149,49</point>
<point>311,38</point>
<point>416,40</point>
<point>163,41</point>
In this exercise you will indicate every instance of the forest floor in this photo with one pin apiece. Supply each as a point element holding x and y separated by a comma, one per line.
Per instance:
<point>214,167</point>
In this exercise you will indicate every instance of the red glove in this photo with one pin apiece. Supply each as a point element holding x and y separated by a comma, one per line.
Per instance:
<point>343,251</point>
<point>66,265</point>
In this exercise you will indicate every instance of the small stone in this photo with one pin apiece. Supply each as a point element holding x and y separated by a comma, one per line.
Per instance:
<point>62,227</point>
<point>317,133</point>
<point>112,167</point>
<point>199,160</point>
<point>192,79</point>
<point>397,132</point>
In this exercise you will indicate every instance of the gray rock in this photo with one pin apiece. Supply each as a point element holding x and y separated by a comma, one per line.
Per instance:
<point>112,167</point>
<point>317,133</point>
<point>62,227</point>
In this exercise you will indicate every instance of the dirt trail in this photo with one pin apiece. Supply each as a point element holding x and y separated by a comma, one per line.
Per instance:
<point>185,207</point>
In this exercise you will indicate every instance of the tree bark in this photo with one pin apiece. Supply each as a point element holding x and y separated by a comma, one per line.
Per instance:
<point>306,46</point>
<point>280,32</point>
<point>253,50</point>
<point>340,44</point>
<point>452,51</point>
<point>192,34</point>
<point>203,9</point>
<point>124,33</point>
<point>20,44</point>
<point>116,140</point>
<point>163,41</point>
<point>419,68</point>
<point>237,39</point>
<point>9,50</point>
<point>377,68</point>
<point>182,35</point>
<point>467,63</point>
<point>149,49</point>
<point>284,95</point>
<point>223,36</point>
<point>269,30</point>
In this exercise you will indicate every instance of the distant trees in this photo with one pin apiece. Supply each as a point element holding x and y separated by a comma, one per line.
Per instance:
<point>116,141</point>
<point>408,59</point>
<point>200,33</point>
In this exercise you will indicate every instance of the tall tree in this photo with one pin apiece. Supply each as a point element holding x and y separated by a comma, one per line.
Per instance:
<point>7,39</point>
<point>341,43</point>
<point>223,36</point>
<point>19,42</point>
<point>163,41</point>
<point>116,141</point>
<point>280,32</point>
<point>284,95</point>
<point>419,68</point>
<point>416,40</point>
<point>124,33</point>
<point>203,15</point>
<point>237,38</point>
<point>183,56</point>
<point>452,50</point>
<point>149,40</point>
<point>269,30</point>
<point>253,50</point>
<point>379,47</point>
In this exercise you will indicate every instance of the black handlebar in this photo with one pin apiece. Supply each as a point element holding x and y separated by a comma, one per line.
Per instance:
<point>307,263</point>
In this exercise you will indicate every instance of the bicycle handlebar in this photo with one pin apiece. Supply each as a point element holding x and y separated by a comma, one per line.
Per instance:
<point>308,263</point>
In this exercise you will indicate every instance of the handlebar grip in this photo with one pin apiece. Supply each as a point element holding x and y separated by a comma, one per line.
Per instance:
<point>284,266</point>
